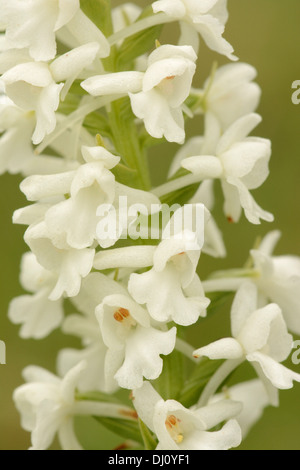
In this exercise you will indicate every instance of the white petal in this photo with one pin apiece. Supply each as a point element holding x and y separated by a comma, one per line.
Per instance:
<point>94,288</point>
<point>227,348</point>
<point>39,375</point>
<point>142,356</point>
<point>232,204</point>
<point>252,210</point>
<point>49,418</point>
<point>269,242</point>
<point>45,186</point>
<point>192,147</point>
<point>75,265</point>
<point>30,214</point>
<point>99,154</point>
<point>37,315</point>
<point>207,167</point>
<point>70,381</point>
<point>218,412</point>
<point>92,378</point>
<point>74,61</point>
<point>188,35</point>
<point>173,8</point>
<point>279,376</point>
<point>67,436</point>
<point>67,9</point>
<point>145,400</point>
<point>32,25</point>
<point>238,131</point>
<point>16,148</point>
<point>128,257</point>
<point>85,31</point>
<point>164,297</point>
<point>249,161</point>
<point>232,94</point>
<point>266,327</point>
<point>160,120</point>
<point>116,83</point>
<point>244,304</point>
<point>229,437</point>
<point>45,112</point>
<point>211,30</point>
<point>33,276</point>
<point>254,399</point>
<point>213,240</point>
<point>33,73</point>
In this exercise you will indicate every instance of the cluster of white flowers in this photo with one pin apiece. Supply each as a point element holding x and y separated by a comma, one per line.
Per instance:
<point>87,89</point>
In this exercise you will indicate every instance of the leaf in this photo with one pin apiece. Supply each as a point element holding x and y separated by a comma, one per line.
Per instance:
<point>197,381</point>
<point>218,299</point>
<point>96,123</point>
<point>138,44</point>
<point>170,382</point>
<point>128,430</point>
<point>99,11</point>
<point>182,196</point>
<point>148,438</point>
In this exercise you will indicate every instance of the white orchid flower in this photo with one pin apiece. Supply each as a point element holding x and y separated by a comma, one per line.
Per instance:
<point>48,404</point>
<point>260,337</point>
<point>37,86</point>
<point>31,87</point>
<point>241,163</point>
<point>34,24</point>
<point>93,196</point>
<point>134,345</point>
<point>254,398</point>
<point>213,239</point>
<point>38,315</point>
<point>16,148</point>
<point>179,428</point>
<point>158,94</point>
<point>276,277</point>
<point>69,265</point>
<point>88,187</point>
<point>166,85</point>
<point>208,18</point>
<point>232,93</point>
<point>172,290</point>
<point>86,327</point>
<point>93,184</point>
<point>17,152</point>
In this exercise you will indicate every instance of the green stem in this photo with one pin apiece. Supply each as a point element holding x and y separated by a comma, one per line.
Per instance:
<point>127,141</point>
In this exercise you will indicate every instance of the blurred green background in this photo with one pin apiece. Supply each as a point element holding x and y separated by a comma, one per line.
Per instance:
<point>264,33</point>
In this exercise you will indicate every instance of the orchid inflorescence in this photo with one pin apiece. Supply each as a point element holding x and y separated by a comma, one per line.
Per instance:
<point>87,90</point>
